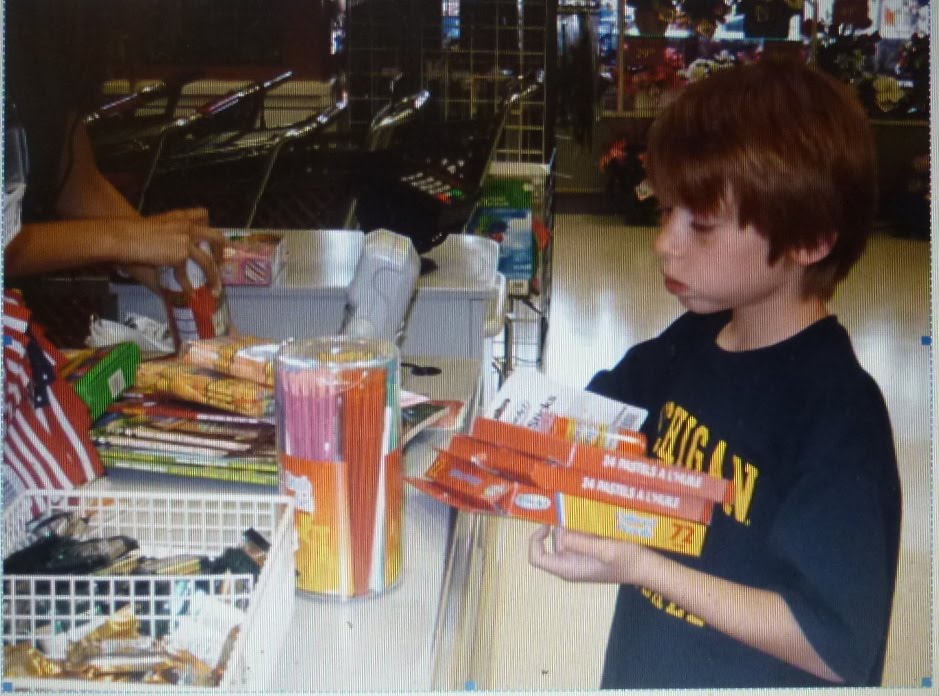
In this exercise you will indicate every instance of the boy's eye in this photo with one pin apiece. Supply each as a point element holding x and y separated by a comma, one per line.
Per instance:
<point>702,226</point>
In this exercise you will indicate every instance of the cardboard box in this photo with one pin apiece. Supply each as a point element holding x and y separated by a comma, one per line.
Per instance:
<point>517,471</point>
<point>467,486</point>
<point>563,457</point>
<point>608,488</point>
<point>505,215</point>
<point>252,258</point>
<point>594,460</point>
<point>100,375</point>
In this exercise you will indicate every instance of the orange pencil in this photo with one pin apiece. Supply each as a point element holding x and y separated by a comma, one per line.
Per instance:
<point>377,382</point>
<point>352,446</point>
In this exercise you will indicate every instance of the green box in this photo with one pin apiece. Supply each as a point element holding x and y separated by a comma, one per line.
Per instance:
<point>101,375</point>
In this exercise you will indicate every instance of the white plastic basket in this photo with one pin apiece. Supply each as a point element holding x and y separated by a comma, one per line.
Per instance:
<point>38,608</point>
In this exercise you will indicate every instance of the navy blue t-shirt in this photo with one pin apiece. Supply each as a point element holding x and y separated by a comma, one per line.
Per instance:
<point>803,432</point>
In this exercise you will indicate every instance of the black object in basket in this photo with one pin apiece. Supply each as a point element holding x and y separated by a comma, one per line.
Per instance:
<point>424,199</point>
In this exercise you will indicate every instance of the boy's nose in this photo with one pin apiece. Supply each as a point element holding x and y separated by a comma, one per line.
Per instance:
<point>665,242</point>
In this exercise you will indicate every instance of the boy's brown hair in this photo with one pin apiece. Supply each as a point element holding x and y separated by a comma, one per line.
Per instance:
<point>788,145</point>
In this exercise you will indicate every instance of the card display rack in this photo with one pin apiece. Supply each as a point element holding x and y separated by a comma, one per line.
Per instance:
<point>465,58</point>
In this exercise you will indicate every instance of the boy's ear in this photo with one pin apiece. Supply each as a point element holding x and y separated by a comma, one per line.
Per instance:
<point>807,255</point>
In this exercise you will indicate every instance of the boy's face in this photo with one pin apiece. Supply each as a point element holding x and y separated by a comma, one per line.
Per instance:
<point>711,263</point>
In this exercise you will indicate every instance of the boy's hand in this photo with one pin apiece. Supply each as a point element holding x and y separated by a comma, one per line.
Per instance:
<point>581,557</point>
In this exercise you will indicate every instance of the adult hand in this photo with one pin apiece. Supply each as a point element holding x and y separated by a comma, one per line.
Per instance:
<point>171,239</point>
<point>581,557</point>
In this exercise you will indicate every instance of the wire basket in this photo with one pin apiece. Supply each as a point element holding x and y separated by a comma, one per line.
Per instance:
<point>309,185</point>
<point>44,610</point>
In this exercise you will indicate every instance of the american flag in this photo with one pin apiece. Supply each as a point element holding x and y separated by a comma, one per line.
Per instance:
<point>46,444</point>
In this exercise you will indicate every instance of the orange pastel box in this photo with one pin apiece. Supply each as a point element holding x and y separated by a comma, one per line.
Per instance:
<point>606,489</point>
<point>596,461</point>
<point>466,485</point>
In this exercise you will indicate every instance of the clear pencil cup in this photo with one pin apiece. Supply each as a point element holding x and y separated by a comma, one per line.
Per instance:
<point>338,435</point>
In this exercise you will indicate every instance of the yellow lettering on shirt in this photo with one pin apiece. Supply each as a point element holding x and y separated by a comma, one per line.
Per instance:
<point>694,459</point>
<point>657,600</point>
<point>675,610</point>
<point>667,410</point>
<point>688,428</point>
<point>745,475</point>
<point>666,446</point>
<point>716,465</point>
<point>685,441</point>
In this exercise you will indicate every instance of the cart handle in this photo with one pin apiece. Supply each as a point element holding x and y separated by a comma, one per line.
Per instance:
<point>317,121</point>
<point>127,103</point>
<point>220,105</point>
<point>523,87</point>
<point>301,130</point>
<point>394,114</point>
<point>228,100</point>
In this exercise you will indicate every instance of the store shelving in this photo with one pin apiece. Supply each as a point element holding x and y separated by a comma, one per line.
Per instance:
<point>465,54</point>
<point>626,45</point>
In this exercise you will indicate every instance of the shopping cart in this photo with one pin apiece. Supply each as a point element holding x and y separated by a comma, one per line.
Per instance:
<point>132,155</point>
<point>301,177</point>
<point>127,115</point>
<point>229,178</point>
<point>426,186</point>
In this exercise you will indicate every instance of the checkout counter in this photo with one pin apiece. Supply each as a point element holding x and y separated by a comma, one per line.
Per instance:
<point>418,635</point>
<point>421,633</point>
<point>457,308</point>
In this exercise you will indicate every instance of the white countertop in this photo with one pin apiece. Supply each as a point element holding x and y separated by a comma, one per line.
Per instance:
<point>456,307</point>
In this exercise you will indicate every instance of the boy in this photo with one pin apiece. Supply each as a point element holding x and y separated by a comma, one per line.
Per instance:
<point>766,178</point>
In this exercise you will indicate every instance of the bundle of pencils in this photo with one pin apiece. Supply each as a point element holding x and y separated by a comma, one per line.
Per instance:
<point>338,443</point>
<point>244,357</point>
<point>179,380</point>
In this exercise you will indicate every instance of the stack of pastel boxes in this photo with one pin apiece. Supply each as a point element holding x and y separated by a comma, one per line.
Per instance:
<point>516,471</point>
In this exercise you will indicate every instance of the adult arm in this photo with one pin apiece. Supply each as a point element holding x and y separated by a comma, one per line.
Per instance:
<point>98,225</point>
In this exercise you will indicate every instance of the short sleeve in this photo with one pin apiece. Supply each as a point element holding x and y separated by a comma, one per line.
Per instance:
<point>835,542</point>
<point>627,380</point>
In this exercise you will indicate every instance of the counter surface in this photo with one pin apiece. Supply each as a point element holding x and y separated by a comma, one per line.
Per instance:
<point>454,308</point>
<point>393,641</point>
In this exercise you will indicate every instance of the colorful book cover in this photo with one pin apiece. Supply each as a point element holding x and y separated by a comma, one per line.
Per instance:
<point>164,440</point>
<point>418,417</point>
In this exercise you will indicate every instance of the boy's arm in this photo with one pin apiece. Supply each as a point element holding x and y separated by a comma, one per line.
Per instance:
<point>758,618</point>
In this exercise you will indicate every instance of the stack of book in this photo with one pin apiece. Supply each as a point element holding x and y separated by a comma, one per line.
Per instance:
<point>172,438</point>
<point>206,414</point>
<point>420,414</point>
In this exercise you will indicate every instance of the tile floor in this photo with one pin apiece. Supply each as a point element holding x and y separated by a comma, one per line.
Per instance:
<point>607,295</point>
